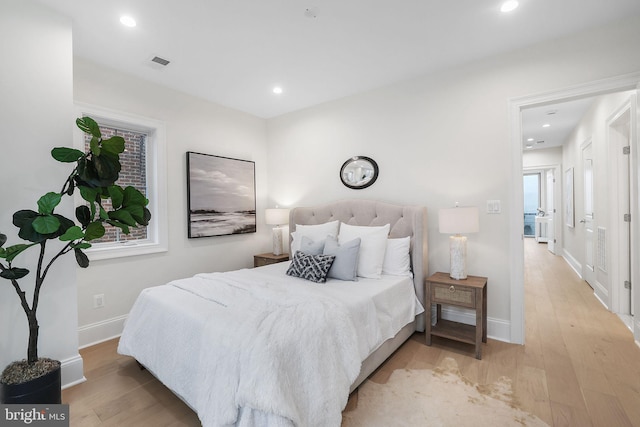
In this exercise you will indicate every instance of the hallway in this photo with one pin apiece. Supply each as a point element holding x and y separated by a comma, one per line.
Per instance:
<point>591,363</point>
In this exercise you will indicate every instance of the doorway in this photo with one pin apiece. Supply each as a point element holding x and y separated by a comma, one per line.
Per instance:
<point>620,137</point>
<point>517,105</point>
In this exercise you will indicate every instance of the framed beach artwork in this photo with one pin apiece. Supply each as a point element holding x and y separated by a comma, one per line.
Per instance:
<point>221,195</point>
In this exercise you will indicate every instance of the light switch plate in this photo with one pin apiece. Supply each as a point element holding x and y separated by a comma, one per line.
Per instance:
<point>493,206</point>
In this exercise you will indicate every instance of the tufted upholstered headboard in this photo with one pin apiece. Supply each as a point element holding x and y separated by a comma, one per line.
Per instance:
<point>404,221</point>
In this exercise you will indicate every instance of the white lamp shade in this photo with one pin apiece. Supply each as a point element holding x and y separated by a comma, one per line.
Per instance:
<point>276,216</point>
<point>460,220</point>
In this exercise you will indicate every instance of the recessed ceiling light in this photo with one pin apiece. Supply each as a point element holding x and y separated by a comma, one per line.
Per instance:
<point>508,6</point>
<point>530,140</point>
<point>127,21</point>
<point>529,146</point>
<point>546,125</point>
<point>277,90</point>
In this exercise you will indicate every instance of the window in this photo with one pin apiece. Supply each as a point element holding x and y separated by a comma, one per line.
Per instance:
<point>531,183</point>
<point>143,168</point>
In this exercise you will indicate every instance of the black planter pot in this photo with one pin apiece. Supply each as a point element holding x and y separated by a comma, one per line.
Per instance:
<point>44,389</point>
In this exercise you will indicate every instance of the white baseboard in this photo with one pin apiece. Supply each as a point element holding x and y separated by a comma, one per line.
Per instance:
<point>72,371</point>
<point>98,332</point>
<point>602,294</point>
<point>573,263</point>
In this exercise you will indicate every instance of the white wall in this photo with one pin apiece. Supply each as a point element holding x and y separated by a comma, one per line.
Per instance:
<point>442,138</point>
<point>542,159</point>
<point>593,126</point>
<point>192,124</point>
<point>35,115</point>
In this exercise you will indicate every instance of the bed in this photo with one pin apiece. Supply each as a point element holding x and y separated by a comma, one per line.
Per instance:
<point>264,346</point>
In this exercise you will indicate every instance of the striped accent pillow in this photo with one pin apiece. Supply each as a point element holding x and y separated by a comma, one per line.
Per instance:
<point>310,267</point>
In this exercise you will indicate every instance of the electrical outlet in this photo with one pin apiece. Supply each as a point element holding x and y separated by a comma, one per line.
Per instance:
<point>98,301</point>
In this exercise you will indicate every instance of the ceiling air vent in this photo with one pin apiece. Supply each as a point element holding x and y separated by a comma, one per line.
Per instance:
<point>160,61</point>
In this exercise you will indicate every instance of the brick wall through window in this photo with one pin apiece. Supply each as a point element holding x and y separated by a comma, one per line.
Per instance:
<point>133,173</point>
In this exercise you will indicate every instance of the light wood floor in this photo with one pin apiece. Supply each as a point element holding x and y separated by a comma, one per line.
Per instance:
<point>579,367</point>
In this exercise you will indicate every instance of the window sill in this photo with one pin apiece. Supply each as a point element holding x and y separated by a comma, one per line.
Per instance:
<point>124,250</point>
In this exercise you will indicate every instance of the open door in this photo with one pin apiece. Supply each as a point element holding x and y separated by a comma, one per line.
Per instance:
<point>551,237</point>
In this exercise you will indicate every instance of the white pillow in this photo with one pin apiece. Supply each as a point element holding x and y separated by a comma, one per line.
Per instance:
<point>373,243</point>
<point>314,232</point>
<point>396,258</point>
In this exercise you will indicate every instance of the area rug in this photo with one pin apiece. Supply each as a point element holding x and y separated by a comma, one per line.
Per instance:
<point>434,398</point>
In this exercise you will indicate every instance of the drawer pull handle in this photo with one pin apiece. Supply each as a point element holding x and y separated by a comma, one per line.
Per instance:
<point>452,289</point>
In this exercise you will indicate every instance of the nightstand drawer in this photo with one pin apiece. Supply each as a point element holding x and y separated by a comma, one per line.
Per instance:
<point>451,294</point>
<point>268,258</point>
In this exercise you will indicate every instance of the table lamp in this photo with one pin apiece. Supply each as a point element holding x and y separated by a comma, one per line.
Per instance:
<point>277,217</point>
<point>458,221</point>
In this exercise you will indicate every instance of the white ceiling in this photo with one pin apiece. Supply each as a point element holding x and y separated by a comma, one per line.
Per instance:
<point>561,117</point>
<point>233,52</point>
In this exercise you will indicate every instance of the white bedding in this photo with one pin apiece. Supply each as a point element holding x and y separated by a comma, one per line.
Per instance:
<point>257,347</point>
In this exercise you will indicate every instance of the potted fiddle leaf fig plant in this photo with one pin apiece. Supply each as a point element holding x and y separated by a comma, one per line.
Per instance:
<point>94,175</point>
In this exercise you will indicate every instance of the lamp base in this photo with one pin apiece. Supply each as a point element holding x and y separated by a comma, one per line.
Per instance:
<point>458,257</point>
<point>277,241</point>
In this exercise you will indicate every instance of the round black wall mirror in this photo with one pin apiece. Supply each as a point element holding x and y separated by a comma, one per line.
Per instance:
<point>359,172</point>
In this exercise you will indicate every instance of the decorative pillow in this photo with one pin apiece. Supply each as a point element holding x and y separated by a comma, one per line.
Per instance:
<point>372,247</point>
<point>396,258</point>
<point>345,266</point>
<point>310,267</point>
<point>314,232</point>
<point>310,247</point>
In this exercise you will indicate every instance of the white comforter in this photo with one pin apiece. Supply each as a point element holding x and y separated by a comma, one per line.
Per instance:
<point>256,347</point>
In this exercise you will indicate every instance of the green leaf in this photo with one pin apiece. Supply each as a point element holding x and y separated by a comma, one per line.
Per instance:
<point>83,215</point>
<point>87,175</point>
<point>48,202</point>
<point>46,224</point>
<point>22,217</point>
<point>65,224</point>
<point>3,239</point>
<point>27,232</point>
<point>114,145</point>
<point>137,212</point>
<point>123,216</point>
<point>74,233</point>
<point>81,258</point>
<point>107,168</point>
<point>14,273</point>
<point>94,146</point>
<point>81,245</point>
<point>88,125</point>
<point>146,217</point>
<point>123,227</point>
<point>134,197</point>
<point>71,188</point>
<point>103,214</point>
<point>95,230</point>
<point>117,195</point>
<point>89,194</point>
<point>66,155</point>
<point>13,251</point>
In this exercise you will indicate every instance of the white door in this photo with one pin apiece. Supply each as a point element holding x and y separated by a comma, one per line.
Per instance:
<point>550,211</point>
<point>588,269</point>
<point>620,140</point>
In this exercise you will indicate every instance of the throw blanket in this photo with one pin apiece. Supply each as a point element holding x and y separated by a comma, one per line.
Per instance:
<point>246,353</point>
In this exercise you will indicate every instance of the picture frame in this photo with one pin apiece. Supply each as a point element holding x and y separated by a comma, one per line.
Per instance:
<point>221,195</point>
<point>569,216</point>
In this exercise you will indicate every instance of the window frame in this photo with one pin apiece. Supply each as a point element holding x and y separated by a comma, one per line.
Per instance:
<point>156,175</point>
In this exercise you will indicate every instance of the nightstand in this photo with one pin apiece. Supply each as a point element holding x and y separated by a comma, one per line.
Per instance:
<point>268,258</point>
<point>469,293</point>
